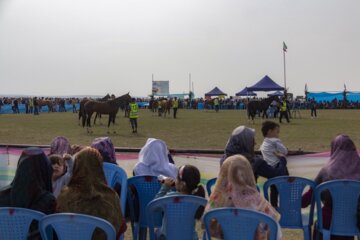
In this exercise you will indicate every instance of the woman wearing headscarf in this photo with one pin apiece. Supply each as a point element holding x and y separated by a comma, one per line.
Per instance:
<point>154,160</point>
<point>31,187</point>
<point>106,148</point>
<point>242,141</point>
<point>60,146</point>
<point>91,195</point>
<point>236,187</point>
<point>344,163</point>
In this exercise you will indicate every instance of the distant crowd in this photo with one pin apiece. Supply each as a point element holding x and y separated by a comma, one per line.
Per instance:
<point>35,104</point>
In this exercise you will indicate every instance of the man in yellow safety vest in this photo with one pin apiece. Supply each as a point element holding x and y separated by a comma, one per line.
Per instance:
<point>134,114</point>
<point>283,110</point>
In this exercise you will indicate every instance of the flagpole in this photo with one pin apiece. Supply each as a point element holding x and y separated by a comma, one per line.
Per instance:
<point>284,74</point>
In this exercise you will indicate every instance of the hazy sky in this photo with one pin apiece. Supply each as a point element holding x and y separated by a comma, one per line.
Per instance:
<point>65,47</point>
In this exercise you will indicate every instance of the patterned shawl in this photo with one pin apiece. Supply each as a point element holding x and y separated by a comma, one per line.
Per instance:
<point>236,187</point>
<point>60,146</point>
<point>88,193</point>
<point>106,148</point>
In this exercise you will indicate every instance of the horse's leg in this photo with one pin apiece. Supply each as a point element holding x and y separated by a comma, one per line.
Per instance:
<point>113,123</point>
<point>88,118</point>
<point>110,119</point>
<point>80,115</point>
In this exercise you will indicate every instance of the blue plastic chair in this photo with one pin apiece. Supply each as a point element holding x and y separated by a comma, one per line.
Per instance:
<point>116,175</point>
<point>238,223</point>
<point>15,222</point>
<point>290,192</point>
<point>146,188</point>
<point>74,226</point>
<point>211,182</point>
<point>179,212</point>
<point>344,197</point>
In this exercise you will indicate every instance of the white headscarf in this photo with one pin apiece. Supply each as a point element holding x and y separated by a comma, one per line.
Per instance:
<point>154,160</point>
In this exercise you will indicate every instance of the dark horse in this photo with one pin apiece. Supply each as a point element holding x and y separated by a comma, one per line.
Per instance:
<point>110,107</point>
<point>85,100</point>
<point>260,106</point>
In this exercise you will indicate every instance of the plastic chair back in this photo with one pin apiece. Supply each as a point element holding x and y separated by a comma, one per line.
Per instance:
<point>116,175</point>
<point>238,223</point>
<point>75,226</point>
<point>211,182</point>
<point>344,197</point>
<point>15,222</point>
<point>290,191</point>
<point>179,212</point>
<point>146,188</point>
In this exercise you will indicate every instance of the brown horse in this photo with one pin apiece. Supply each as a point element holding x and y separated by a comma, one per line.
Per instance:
<point>85,100</point>
<point>110,107</point>
<point>165,106</point>
<point>47,103</point>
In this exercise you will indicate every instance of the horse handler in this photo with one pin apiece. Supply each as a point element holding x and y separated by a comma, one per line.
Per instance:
<point>134,114</point>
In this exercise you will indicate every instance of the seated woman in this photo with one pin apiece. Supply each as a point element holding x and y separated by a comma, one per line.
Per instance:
<point>154,160</point>
<point>236,187</point>
<point>88,193</point>
<point>242,141</point>
<point>344,163</point>
<point>106,148</point>
<point>187,182</point>
<point>31,187</point>
<point>60,146</point>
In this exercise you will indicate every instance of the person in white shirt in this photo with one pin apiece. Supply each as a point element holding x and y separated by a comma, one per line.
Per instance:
<point>272,149</point>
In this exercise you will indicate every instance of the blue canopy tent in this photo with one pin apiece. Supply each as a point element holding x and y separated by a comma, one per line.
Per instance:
<point>215,92</point>
<point>265,84</point>
<point>245,92</point>
<point>353,96</point>
<point>277,93</point>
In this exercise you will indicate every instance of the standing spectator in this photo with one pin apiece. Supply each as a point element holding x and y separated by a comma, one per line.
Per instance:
<point>31,105</point>
<point>36,106</point>
<point>175,106</point>
<point>1,104</point>
<point>313,108</point>
<point>27,105</point>
<point>216,104</point>
<point>73,102</point>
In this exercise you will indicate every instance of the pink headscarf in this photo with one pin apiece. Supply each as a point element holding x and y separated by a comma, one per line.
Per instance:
<point>60,145</point>
<point>344,161</point>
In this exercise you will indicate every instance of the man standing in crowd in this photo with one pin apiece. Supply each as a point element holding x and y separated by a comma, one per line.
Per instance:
<point>284,110</point>
<point>134,114</point>
<point>36,106</point>
<point>216,104</point>
<point>175,106</point>
<point>313,108</point>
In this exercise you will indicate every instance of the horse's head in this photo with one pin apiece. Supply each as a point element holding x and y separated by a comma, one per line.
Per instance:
<point>123,100</point>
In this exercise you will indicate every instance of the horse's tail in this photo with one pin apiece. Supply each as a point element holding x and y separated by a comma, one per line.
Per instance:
<point>83,118</point>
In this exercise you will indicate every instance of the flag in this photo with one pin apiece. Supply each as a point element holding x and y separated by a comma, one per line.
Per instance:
<point>284,47</point>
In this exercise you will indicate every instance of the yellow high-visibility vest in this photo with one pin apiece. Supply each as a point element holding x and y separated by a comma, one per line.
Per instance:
<point>284,107</point>
<point>176,104</point>
<point>134,110</point>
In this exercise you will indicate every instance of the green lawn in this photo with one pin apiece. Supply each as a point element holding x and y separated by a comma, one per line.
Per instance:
<point>193,129</point>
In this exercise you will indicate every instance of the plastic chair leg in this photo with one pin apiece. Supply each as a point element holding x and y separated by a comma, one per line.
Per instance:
<point>307,233</point>
<point>142,233</point>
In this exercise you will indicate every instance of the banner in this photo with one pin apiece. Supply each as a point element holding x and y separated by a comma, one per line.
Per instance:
<point>160,88</point>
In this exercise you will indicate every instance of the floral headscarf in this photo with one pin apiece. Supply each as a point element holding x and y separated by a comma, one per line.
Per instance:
<point>106,148</point>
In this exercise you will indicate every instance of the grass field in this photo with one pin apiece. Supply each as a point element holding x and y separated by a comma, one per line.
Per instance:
<point>193,129</point>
